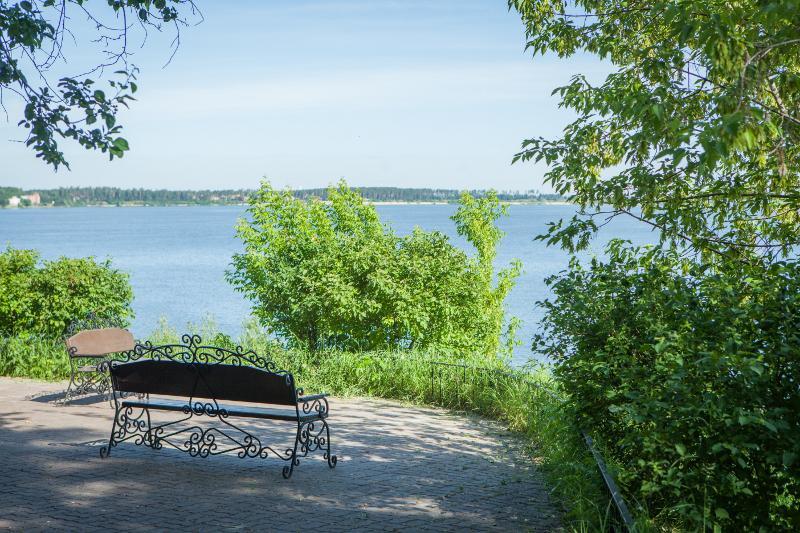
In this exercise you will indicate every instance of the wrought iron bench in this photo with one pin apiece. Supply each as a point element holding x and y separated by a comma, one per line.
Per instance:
<point>199,377</point>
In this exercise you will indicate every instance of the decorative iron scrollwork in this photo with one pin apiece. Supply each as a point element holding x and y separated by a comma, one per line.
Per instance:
<point>314,404</point>
<point>310,438</point>
<point>93,321</point>
<point>192,350</point>
<point>134,424</point>
<point>130,424</point>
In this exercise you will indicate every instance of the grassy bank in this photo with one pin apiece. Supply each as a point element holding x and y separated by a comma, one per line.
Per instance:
<point>520,400</point>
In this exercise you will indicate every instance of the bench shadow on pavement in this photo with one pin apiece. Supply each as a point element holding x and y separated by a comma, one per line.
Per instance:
<point>57,398</point>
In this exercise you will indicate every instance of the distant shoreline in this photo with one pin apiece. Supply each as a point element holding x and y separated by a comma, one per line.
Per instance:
<point>242,204</point>
<point>116,197</point>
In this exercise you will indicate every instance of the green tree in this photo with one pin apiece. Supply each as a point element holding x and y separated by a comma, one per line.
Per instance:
<point>8,192</point>
<point>695,132</point>
<point>74,107</point>
<point>331,275</point>
<point>683,356</point>
<point>44,298</point>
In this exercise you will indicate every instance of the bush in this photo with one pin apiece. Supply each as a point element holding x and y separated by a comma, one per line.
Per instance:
<point>44,299</point>
<point>332,276</point>
<point>690,380</point>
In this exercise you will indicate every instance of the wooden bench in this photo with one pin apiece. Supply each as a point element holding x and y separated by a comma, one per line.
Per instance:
<point>196,379</point>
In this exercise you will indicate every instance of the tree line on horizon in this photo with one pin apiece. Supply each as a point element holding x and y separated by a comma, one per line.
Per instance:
<point>78,196</point>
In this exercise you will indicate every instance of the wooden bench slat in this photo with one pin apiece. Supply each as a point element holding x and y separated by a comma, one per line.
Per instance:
<point>233,410</point>
<point>100,342</point>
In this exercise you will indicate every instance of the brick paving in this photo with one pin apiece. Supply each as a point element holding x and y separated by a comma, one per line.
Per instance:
<point>400,468</point>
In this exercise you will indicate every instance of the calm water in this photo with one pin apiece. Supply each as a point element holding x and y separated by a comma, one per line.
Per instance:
<point>177,256</point>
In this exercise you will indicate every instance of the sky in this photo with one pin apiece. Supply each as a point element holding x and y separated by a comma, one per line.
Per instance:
<point>303,93</point>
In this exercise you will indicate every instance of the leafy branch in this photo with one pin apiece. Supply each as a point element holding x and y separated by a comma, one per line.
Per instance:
<point>74,107</point>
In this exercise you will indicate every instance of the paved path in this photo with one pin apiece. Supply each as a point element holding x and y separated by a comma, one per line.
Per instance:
<point>400,468</point>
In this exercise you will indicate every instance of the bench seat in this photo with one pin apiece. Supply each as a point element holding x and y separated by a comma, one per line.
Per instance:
<point>232,410</point>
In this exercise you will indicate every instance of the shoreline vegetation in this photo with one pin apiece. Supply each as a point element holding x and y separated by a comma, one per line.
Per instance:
<point>116,197</point>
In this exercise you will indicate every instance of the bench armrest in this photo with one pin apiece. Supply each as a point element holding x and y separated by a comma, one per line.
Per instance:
<point>312,397</point>
<point>313,403</point>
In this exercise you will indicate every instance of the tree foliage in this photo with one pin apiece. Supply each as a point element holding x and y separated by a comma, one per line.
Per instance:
<point>690,380</point>
<point>683,358</point>
<point>73,107</point>
<point>696,130</point>
<point>407,194</point>
<point>44,297</point>
<point>8,192</point>
<point>331,275</point>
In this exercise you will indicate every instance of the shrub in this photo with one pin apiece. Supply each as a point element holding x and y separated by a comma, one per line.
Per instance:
<point>691,381</point>
<point>44,299</point>
<point>332,276</point>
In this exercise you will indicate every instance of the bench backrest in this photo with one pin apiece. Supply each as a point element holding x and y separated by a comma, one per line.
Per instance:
<point>100,342</point>
<point>204,380</point>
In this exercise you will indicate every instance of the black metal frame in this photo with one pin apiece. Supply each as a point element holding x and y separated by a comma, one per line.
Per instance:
<point>84,374</point>
<point>132,421</point>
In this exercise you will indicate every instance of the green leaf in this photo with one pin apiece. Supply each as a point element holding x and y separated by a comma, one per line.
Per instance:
<point>121,144</point>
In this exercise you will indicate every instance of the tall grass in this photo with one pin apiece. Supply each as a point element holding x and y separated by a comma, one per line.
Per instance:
<point>33,356</point>
<point>527,402</point>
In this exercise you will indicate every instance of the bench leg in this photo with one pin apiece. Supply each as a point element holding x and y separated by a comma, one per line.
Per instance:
<point>105,451</point>
<point>149,438</point>
<point>106,387</point>
<point>127,426</point>
<point>309,439</point>
<point>72,385</point>
<point>287,470</point>
<point>328,457</point>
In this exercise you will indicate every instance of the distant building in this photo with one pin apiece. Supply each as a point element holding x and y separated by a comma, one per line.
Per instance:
<point>14,201</point>
<point>33,198</point>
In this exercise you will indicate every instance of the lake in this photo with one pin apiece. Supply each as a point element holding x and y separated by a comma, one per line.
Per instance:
<point>177,256</point>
